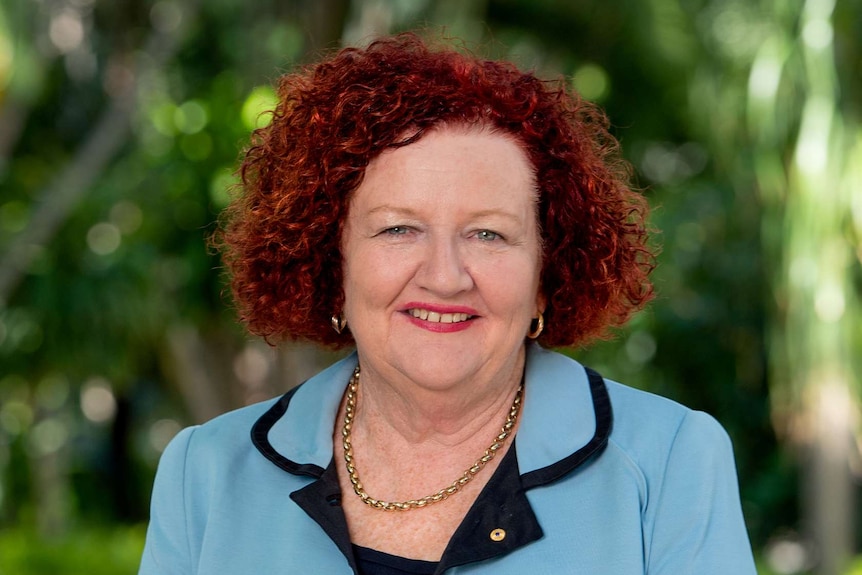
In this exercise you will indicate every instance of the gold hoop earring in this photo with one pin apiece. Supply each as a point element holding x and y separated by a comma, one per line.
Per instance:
<point>339,322</point>
<point>540,325</point>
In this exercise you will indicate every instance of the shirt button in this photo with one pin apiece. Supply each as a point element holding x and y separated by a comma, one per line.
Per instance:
<point>498,534</point>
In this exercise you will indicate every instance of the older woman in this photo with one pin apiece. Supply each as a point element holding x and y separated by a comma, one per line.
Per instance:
<point>441,213</point>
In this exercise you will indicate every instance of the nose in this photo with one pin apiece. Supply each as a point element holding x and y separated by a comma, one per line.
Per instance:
<point>443,270</point>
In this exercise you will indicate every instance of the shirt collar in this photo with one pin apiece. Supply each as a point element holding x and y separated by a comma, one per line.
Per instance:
<point>566,417</point>
<point>302,435</point>
<point>558,417</point>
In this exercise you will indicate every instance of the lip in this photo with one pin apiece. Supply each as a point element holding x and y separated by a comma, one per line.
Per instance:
<point>439,327</point>
<point>439,308</point>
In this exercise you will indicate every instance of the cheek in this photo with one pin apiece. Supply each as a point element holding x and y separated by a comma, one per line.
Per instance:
<point>511,284</point>
<point>374,275</point>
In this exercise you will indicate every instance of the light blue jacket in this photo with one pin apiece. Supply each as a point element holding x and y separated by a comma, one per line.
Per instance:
<point>602,480</point>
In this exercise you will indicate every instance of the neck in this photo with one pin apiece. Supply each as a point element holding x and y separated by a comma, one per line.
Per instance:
<point>458,414</point>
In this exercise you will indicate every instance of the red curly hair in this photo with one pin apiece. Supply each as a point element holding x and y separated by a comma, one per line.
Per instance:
<point>282,236</point>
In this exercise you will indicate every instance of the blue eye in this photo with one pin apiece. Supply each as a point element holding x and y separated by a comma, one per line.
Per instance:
<point>487,235</point>
<point>396,231</point>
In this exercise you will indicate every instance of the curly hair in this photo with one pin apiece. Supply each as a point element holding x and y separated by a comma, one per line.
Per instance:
<point>282,235</point>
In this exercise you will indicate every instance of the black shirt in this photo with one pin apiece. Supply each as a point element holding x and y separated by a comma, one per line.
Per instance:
<point>372,562</point>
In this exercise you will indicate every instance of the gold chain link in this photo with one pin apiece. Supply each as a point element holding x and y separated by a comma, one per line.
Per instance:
<point>455,487</point>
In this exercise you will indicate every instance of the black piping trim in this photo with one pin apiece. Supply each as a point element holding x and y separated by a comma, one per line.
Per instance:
<point>601,406</point>
<point>604,424</point>
<point>260,439</point>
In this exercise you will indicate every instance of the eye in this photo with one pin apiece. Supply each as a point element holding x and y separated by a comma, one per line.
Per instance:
<point>487,235</point>
<point>396,230</point>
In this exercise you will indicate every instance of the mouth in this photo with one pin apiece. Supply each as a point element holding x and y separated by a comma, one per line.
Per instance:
<point>436,317</point>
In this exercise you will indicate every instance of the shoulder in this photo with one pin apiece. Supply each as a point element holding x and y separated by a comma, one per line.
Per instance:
<point>296,426</point>
<point>640,413</point>
<point>234,426</point>
<point>219,438</point>
<point>650,430</point>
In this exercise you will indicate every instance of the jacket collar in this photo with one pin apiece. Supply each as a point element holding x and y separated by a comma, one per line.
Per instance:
<point>566,418</point>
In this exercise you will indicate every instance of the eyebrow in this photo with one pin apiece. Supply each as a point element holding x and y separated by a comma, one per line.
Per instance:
<point>411,213</point>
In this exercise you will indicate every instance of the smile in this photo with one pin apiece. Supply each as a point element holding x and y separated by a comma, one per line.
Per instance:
<point>435,317</point>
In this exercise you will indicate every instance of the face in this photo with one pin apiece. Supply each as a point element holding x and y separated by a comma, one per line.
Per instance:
<point>442,258</point>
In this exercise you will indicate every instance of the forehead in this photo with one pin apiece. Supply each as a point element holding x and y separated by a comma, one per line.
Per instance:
<point>467,164</point>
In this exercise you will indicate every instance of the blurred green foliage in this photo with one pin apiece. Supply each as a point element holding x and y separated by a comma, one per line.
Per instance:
<point>115,551</point>
<point>121,124</point>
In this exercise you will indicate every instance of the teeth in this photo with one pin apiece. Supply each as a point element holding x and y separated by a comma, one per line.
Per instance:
<point>435,317</point>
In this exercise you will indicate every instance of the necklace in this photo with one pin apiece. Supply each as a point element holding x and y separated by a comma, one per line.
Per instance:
<point>455,487</point>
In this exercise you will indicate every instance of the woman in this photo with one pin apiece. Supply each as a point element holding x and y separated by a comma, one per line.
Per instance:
<point>440,213</point>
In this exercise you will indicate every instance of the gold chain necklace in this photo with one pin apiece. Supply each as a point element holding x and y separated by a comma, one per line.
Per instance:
<point>350,411</point>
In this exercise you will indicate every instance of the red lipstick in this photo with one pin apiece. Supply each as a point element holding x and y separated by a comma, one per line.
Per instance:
<point>438,326</point>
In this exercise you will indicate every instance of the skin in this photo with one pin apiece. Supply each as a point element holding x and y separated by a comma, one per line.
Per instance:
<point>446,225</point>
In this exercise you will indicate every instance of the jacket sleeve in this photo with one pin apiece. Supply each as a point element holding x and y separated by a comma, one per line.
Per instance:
<point>167,549</point>
<point>696,515</point>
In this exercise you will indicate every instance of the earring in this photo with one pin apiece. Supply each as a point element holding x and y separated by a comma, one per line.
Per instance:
<point>339,322</point>
<point>540,325</point>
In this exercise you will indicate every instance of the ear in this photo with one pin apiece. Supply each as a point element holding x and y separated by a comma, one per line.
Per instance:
<point>541,302</point>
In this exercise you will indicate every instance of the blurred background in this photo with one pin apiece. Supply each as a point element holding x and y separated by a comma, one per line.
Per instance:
<point>121,123</point>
